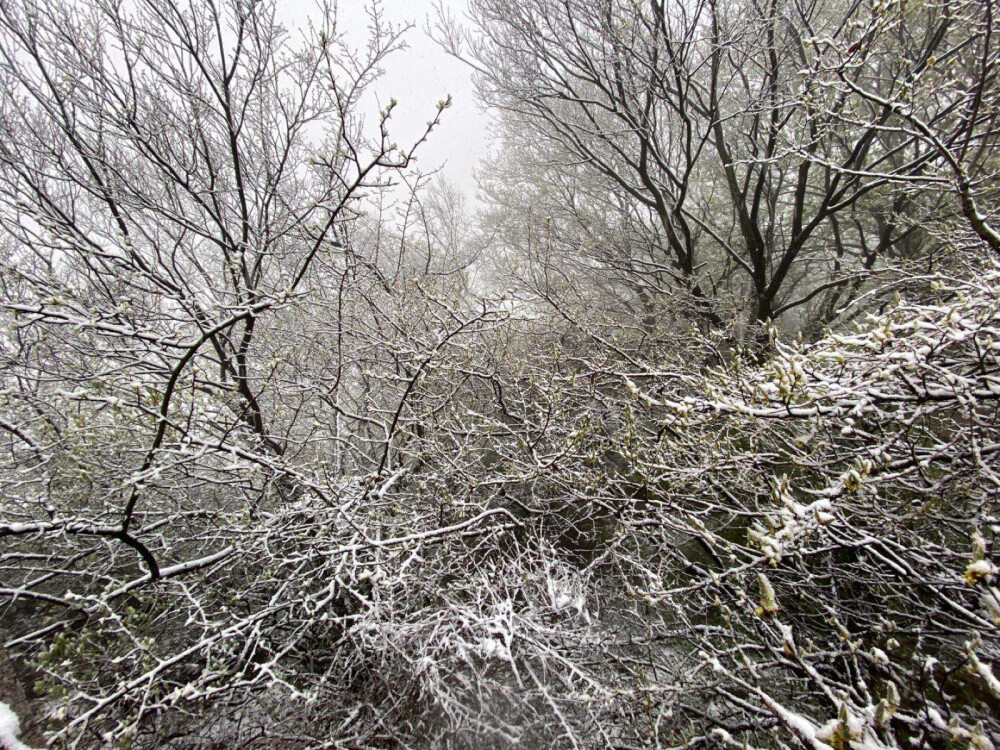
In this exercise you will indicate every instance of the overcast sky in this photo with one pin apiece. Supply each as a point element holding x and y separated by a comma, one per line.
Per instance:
<point>418,77</point>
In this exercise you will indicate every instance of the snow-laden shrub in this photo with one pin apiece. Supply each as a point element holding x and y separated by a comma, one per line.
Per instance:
<point>845,498</point>
<point>590,545</point>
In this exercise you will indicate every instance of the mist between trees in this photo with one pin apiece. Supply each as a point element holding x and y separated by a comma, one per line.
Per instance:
<point>687,436</point>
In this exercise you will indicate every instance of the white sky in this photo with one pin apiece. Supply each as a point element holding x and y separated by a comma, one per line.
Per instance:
<point>418,77</point>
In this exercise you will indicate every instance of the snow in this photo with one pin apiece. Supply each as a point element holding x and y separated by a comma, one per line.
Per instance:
<point>492,648</point>
<point>979,570</point>
<point>10,728</point>
<point>879,656</point>
<point>985,671</point>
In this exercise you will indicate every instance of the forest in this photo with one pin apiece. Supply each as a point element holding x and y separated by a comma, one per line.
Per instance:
<point>684,432</point>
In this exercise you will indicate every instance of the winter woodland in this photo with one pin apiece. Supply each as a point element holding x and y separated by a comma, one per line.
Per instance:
<point>683,433</point>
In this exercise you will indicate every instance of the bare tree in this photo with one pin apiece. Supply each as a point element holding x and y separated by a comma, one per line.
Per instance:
<point>174,180</point>
<point>760,139</point>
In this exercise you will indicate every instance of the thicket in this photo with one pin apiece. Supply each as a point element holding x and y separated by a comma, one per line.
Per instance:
<point>687,439</point>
